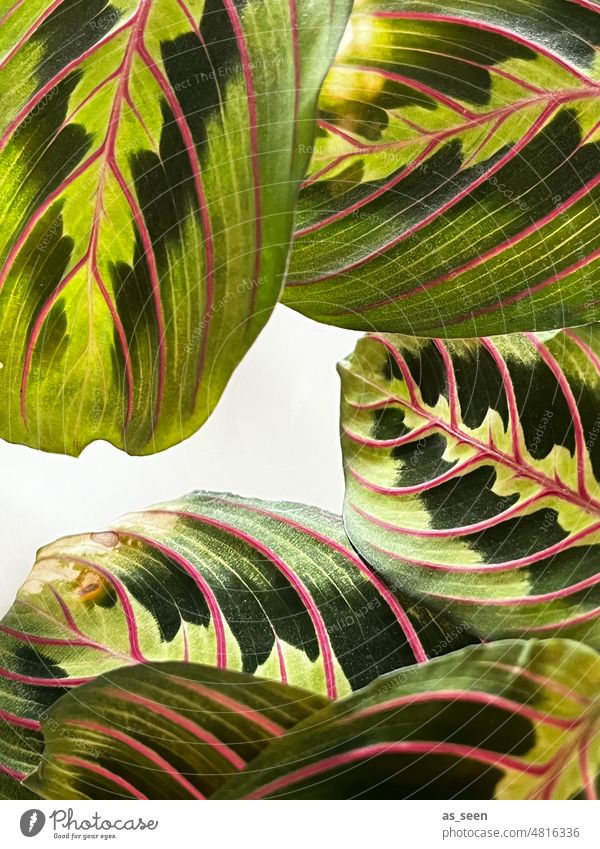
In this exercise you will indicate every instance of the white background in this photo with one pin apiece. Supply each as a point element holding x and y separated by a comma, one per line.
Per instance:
<point>273,435</point>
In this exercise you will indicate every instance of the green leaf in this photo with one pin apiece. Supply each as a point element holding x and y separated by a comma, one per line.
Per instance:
<point>150,156</point>
<point>169,731</point>
<point>275,590</point>
<point>473,476</point>
<point>456,177</point>
<point>512,720</point>
<point>12,790</point>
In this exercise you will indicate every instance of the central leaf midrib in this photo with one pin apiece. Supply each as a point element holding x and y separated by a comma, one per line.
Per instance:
<point>546,483</point>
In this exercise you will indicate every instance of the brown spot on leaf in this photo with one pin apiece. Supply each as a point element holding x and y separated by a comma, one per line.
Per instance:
<point>91,588</point>
<point>109,539</point>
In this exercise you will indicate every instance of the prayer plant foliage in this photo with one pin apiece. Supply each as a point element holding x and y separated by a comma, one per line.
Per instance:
<point>511,720</point>
<point>220,647</point>
<point>150,157</point>
<point>455,182</point>
<point>473,476</point>
<point>151,153</point>
<point>271,589</point>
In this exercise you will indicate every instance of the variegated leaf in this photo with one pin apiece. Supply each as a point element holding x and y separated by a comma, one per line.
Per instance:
<point>168,731</point>
<point>455,183</point>
<point>275,590</point>
<point>473,476</point>
<point>150,154</point>
<point>512,720</point>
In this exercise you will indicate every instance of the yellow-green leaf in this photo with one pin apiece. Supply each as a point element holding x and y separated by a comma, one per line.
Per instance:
<point>511,720</point>
<point>150,155</point>
<point>274,590</point>
<point>473,476</point>
<point>455,182</point>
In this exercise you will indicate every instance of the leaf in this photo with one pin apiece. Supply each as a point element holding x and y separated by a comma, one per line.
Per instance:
<point>14,791</point>
<point>473,476</point>
<point>456,176</point>
<point>150,153</point>
<point>169,731</point>
<point>274,590</point>
<point>512,720</point>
